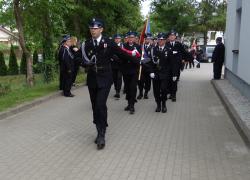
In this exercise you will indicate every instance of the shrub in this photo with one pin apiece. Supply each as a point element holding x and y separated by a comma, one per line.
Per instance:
<point>4,89</point>
<point>3,67</point>
<point>23,66</point>
<point>37,66</point>
<point>13,66</point>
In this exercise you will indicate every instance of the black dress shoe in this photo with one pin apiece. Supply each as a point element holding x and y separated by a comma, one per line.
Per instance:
<point>100,143</point>
<point>140,96</point>
<point>101,139</point>
<point>131,110</point>
<point>164,109</point>
<point>145,96</point>
<point>126,108</point>
<point>158,108</point>
<point>69,95</point>
<point>117,95</point>
<point>173,99</point>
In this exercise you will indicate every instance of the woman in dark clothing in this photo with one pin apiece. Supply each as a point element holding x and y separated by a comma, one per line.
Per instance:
<point>75,51</point>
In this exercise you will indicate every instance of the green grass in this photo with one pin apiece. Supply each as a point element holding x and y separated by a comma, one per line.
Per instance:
<point>4,46</point>
<point>20,93</point>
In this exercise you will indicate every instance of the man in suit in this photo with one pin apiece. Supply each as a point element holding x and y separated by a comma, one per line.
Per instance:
<point>130,73</point>
<point>160,72</point>
<point>96,53</point>
<point>218,58</point>
<point>145,81</point>
<point>176,61</point>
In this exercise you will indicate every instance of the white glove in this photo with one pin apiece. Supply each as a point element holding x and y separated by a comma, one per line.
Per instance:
<point>75,49</point>
<point>152,75</point>
<point>174,78</point>
<point>134,52</point>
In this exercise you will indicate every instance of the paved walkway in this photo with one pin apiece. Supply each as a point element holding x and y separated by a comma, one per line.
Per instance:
<point>195,140</point>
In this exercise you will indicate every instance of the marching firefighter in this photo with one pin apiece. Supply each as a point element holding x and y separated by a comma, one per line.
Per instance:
<point>116,68</point>
<point>96,53</point>
<point>130,73</point>
<point>145,81</point>
<point>178,53</point>
<point>160,72</point>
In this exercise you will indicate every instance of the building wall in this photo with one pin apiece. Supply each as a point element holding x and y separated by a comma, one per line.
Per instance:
<point>4,36</point>
<point>237,38</point>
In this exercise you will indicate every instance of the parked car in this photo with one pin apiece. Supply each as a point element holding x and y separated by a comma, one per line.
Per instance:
<point>206,53</point>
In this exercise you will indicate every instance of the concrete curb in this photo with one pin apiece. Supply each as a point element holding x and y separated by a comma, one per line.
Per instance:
<point>238,122</point>
<point>28,105</point>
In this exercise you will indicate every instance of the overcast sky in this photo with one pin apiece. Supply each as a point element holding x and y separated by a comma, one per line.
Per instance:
<point>145,6</point>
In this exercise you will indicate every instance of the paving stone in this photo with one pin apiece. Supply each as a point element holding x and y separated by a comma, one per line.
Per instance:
<point>196,139</point>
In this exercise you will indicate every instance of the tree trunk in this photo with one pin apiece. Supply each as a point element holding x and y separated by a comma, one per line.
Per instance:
<point>19,24</point>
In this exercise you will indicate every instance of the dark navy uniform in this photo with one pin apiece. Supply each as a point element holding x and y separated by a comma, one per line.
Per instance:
<point>161,69</point>
<point>218,58</point>
<point>66,59</point>
<point>178,53</point>
<point>77,62</point>
<point>145,80</point>
<point>97,60</point>
<point>130,76</point>
<point>116,70</point>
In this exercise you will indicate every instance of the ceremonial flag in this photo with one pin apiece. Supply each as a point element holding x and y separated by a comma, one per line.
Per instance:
<point>146,29</point>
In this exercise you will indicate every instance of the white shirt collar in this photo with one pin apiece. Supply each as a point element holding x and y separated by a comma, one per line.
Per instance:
<point>161,47</point>
<point>98,39</point>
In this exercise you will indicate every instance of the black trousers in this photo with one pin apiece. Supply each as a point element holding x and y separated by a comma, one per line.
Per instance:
<point>66,83</point>
<point>75,72</point>
<point>172,85</point>
<point>144,83</point>
<point>117,78</point>
<point>61,79</point>
<point>217,69</point>
<point>130,86</point>
<point>160,88</point>
<point>98,97</point>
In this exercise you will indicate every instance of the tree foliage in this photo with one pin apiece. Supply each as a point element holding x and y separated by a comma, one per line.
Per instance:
<point>174,14</point>
<point>45,21</point>
<point>189,15</point>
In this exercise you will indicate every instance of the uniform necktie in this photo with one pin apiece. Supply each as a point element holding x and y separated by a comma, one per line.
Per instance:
<point>95,43</point>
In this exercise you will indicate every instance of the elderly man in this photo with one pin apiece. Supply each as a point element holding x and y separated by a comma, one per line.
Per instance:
<point>218,58</point>
<point>66,66</point>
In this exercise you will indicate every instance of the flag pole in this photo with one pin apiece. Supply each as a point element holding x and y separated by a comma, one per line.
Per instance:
<point>143,51</point>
